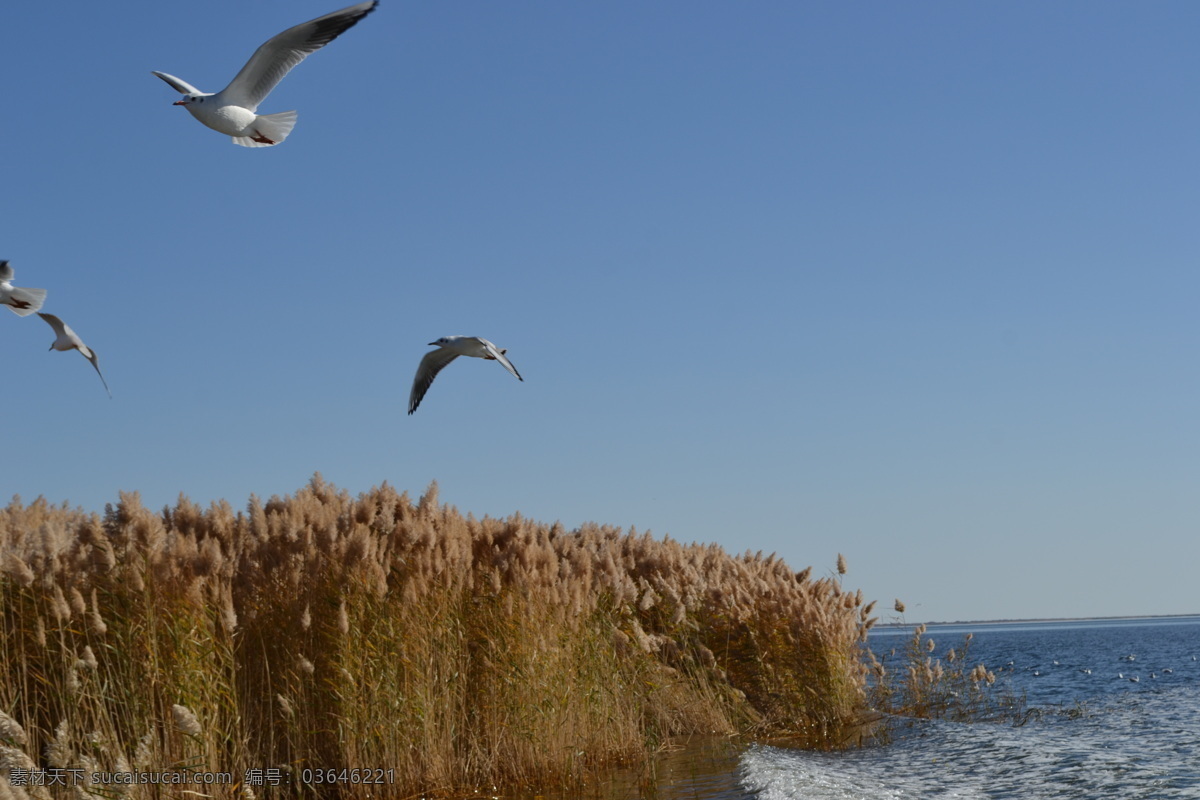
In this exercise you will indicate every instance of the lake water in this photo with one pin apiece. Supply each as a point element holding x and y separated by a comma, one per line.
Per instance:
<point>1094,733</point>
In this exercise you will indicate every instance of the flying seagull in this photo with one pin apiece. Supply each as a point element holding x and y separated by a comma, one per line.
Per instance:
<point>450,348</point>
<point>67,339</point>
<point>232,110</point>
<point>20,301</point>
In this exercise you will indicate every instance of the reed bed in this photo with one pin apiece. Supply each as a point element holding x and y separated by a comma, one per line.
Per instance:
<point>913,681</point>
<point>290,643</point>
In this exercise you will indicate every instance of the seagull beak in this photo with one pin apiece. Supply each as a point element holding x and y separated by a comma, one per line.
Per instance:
<point>432,343</point>
<point>179,103</point>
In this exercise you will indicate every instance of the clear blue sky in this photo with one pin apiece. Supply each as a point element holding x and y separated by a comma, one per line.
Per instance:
<point>916,283</point>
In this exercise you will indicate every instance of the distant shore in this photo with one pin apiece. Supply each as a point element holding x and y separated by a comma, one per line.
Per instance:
<point>1035,620</point>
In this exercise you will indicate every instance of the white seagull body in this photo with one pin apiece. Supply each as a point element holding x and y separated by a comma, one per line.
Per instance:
<point>66,339</point>
<point>20,301</point>
<point>450,348</point>
<point>233,110</point>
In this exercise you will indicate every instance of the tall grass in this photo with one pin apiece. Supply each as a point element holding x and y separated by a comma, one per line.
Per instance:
<point>324,631</point>
<point>914,682</point>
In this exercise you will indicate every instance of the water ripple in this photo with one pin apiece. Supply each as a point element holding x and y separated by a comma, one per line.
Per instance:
<point>1097,736</point>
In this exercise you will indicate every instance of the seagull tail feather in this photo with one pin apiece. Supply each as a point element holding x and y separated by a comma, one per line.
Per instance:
<point>272,127</point>
<point>28,300</point>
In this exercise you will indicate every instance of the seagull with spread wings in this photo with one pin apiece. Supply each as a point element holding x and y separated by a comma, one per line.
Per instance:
<point>450,348</point>
<point>66,339</point>
<point>233,110</point>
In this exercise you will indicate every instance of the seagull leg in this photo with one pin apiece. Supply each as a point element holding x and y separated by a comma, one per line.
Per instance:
<point>258,137</point>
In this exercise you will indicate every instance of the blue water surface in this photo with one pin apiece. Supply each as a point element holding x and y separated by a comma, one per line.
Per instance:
<point>1116,714</point>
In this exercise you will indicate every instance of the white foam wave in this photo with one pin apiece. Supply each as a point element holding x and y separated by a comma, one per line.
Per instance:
<point>776,774</point>
<point>1123,750</point>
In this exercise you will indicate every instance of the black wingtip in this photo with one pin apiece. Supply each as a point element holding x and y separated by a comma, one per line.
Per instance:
<point>331,26</point>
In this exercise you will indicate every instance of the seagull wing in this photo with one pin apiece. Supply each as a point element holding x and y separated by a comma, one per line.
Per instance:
<point>433,363</point>
<point>183,87</point>
<point>60,327</point>
<point>498,354</point>
<point>276,57</point>
<point>90,354</point>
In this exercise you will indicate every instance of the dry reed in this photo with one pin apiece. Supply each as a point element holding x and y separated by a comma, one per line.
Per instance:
<point>321,631</point>
<point>911,682</point>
